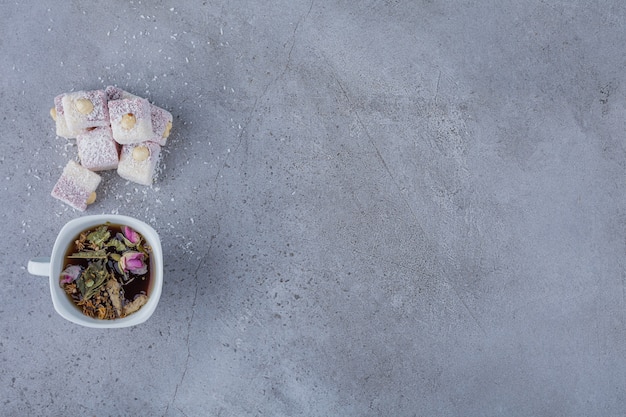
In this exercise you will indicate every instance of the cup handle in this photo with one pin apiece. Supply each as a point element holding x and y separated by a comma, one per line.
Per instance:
<point>39,266</point>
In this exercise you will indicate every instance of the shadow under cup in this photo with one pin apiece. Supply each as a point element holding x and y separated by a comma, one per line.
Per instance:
<point>53,267</point>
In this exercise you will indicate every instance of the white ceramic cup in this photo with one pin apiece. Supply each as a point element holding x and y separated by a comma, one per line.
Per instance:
<point>53,266</point>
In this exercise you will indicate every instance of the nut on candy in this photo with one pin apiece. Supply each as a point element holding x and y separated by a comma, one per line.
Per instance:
<point>92,198</point>
<point>83,105</point>
<point>141,153</point>
<point>167,130</point>
<point>128,121</point>
<point>53,113</point>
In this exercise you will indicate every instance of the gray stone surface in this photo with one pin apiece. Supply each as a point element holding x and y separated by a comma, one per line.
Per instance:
<point>375,208</point>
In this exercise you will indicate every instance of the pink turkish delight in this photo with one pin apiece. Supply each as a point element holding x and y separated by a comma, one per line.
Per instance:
<point>76,186</point>
<point>85,109</point>
<point>131,121</point>
<point>138,162</point>
<point>161,124</point>
<point>97,150</point>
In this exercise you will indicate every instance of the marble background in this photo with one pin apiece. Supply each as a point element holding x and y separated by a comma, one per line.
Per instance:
<point>373,208</point>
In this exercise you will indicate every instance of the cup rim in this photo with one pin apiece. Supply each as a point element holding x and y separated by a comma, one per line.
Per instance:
<point>66,308</point>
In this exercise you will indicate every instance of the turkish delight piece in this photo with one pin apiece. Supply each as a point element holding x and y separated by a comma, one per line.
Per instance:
<point>85,109</point>
<point>138,162</point>
<point>76,186</point>
<point>161,124</point>
<point>58,115</point>
<point>115,93</point>
<point>97,150</point>
<point>131,121</point>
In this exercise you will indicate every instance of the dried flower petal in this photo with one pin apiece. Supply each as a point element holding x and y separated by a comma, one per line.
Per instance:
<point>70,274</point>
<point>131,235</point>
<point>133,262</point>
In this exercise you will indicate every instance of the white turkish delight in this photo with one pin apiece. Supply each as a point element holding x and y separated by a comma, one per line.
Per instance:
<point>97,150</point>
<point>139,162</point>
<point>85,109</point>
<point>131,120</point>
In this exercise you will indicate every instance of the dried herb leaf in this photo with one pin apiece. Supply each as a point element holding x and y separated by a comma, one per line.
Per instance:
<point>92,279</point>
<point>98,237</point>
<point>89,254</point>
<point>114,243</point>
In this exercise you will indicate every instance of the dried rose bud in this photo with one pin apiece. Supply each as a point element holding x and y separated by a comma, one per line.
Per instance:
<point>133,262</point>
<point>131,235</point>
<point>70,274</point>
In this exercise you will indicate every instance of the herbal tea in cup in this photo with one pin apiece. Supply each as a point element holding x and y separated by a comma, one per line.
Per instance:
<point>105,271</point>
